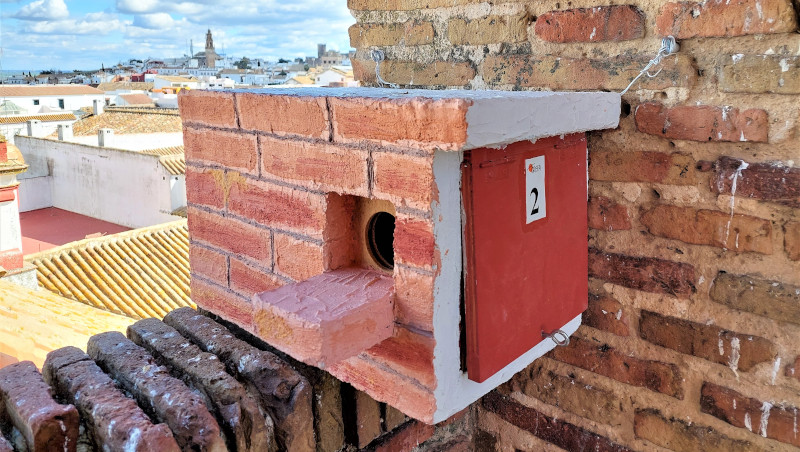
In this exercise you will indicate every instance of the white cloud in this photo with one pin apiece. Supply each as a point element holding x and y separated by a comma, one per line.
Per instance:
<point>155,21</point>
<point>92,23</point>
<point>43,10</point>
<point>139,6</point>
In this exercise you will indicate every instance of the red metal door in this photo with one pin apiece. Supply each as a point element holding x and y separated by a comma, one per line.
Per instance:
<point>525,245</point>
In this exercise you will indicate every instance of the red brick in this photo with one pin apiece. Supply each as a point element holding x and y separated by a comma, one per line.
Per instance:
<point>703,122</point>
<point>731,18</point>
<point>368,419</point>
<point>791,239</point>
<point>674,434</point>
<point>229,149</point>
<point>223,303</point>
<point>408,437</point>
<point>710,227</point>
<point>230,235</point>
<point>318,166</point>
<point>387,386</point>
<point>297,259</point>
<point>556,431</point>
<point>213,108</point>
<point>569,73</point>
<point>426,123</point>
<point>607,215</point>
<point>759,416</point>
<point>636,166</point>
<point>279,207</point>
<point>602,23</point>
<point>643,273</point>
<point>403,179</point>
<point>408,353</point>
<point>414,243</point>
<point>205,187</point>
<point>769,181</point>
<point>605,313</point>
<point>209,264</point>
<point>607,361</point>
<point>284,114</point>
<point>740,351</point>
<point>413,304</point>
<point>248,280</point>
<point>793,369</point>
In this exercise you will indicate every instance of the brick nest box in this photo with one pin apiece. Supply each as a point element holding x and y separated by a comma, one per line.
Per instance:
<point>420,245</point>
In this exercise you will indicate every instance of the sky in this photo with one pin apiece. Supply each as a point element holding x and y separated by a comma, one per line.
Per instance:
<point>83,34</point>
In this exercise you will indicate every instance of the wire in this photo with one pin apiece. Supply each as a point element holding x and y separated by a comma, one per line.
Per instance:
<point>377,57</point>
<point>668,47</point>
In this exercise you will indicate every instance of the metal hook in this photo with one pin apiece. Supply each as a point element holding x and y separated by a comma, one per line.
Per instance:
<point>554,337</point>
<point>377,57</point>
<point>668,47</point>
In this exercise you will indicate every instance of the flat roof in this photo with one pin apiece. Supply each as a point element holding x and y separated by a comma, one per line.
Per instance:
<point>48,228</point>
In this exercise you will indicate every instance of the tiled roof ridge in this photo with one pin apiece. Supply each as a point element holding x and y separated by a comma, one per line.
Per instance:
<point>167,150</point>
<point>175,164</point>
<point>40,117</point>
<point>147,230</point>
<point>147,110</point>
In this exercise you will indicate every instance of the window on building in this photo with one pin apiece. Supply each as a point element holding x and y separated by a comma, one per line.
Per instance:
<point>61,103</point>
<point>35,101</point>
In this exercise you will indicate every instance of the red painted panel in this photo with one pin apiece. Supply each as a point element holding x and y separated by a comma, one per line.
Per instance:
<point>522,278</point>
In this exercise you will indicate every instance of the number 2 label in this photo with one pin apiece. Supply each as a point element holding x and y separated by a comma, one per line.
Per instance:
<point>535,199</point>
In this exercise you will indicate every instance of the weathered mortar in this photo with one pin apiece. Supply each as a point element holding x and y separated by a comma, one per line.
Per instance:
<point>748,61</point>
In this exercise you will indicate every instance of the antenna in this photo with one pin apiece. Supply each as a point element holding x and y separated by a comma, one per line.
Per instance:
<point>191,48</point>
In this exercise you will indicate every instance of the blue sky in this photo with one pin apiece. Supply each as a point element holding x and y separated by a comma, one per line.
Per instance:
<point>82,34</point>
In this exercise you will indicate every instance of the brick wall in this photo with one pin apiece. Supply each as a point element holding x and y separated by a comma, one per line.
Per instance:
<point>690,340</point>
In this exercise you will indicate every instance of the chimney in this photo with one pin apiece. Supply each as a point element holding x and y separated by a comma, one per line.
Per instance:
<point>104,137</point>
<point>11,165</point>
<point>97,107</point>
<point>64,132</point>
<point>33,127</point>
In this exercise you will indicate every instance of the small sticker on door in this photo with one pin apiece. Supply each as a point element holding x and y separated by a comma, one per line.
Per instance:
<point>535,200</point>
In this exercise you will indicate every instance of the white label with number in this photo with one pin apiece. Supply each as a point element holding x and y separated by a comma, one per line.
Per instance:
<point>535,200</point>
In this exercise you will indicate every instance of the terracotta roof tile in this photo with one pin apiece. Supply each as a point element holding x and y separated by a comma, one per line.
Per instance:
<point>164,151</point>
<point>139,273</point>
<point>137,99</point>
<point>132,121</point>
<point>175,164</point>
<point>133,86</point>
<point>46,90</point>
<point>43,118</point>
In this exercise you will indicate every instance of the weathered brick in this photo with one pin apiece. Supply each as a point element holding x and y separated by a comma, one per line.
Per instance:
<point>209,264</point>
<point>757,74</point>
<point>674,434</point>
<point>279,207</point>
<point>408,437</point>
<point>762,417</point>
<point>412,73</point>
<point>403,179</point>
<point>248,280</point>
<point>26,401</point>
<point>218,300</point>
<point>643,273</point>
<point>284,115</point>
<point>213,108</point>
<point>393,418</point>
<point>408,353</point>
<point>229,149</point>
<point>573,395</point>
<point>710,227</point>
<point>297,259</point>
<point>205,187</point>
<point>368,419</point>
<point>607,361</point>
<point>607,215</point>
<point>769,181</point>
<point>602,23</point>
<point>414,243</point>
<point>605,313</point>
<point>488,30</point>
<point>413,304</point>
<point>556,431</point>
<point>409,33</point>
<point>731,18</point>
<point>793,369</point>
<point>791,239</point>
<point>404,5</point>
<point>231,235</point>
<point>328,414</point>
<point>637,166</point>
<point>772,299</point>
<point>565,73</point>
<point>703,122</point>
<point>317,166</point>
<point>736,350</point>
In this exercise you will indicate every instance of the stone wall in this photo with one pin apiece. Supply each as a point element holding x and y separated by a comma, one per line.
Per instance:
<point>690,340</point>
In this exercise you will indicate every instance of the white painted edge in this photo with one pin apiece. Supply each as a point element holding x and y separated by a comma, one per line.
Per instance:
<point>454,391</point>
<point>498,121</point>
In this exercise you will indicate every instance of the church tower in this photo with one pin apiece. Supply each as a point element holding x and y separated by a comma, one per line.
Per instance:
<point>211,55</point>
